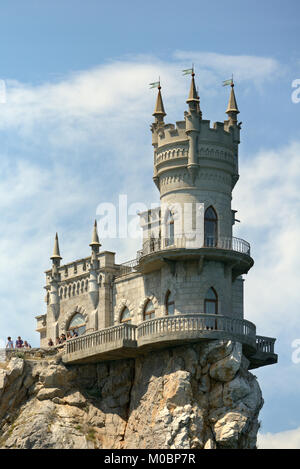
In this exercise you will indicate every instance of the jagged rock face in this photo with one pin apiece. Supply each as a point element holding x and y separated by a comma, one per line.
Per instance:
<point>196,396</point>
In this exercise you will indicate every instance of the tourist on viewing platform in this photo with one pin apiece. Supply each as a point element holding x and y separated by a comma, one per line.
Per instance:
<point>50,343</point>
<point>57,341</point>
<point>62,338</point>
<point>69,336</point>
<point>26,344</point>
<point>19,342</point>
<point>10,343</point>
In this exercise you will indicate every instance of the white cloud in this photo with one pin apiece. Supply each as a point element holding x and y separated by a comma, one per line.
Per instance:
<point>267,197</point>
<point>283,440</point>
<point>246,68</point>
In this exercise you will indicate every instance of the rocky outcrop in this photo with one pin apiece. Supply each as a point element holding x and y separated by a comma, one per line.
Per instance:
<point>196,396</point>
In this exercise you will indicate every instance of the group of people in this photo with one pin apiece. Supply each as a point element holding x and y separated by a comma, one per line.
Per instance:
<point>60,340</point>
<point>18,344</point>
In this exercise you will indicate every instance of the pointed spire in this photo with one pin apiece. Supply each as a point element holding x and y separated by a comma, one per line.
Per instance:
<point>232,104</point>
<point>159,110</point>
<point>193,100</point>
<point>56,253</point>
<point>95,237</point>
<point>193,95</point>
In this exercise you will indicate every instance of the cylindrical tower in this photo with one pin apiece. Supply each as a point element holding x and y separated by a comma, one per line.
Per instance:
<point>195,168</point>
<point>195,171</point>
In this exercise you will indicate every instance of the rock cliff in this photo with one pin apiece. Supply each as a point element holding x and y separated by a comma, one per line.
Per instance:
<point>196,396</point>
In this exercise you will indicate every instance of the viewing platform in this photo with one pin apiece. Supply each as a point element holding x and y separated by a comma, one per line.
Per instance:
<point>233,251</point>
<point>128,341</point>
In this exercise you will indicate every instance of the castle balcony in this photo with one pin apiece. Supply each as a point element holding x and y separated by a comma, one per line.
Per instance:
<point>111,343</point>
<point>232,251</point>
<point>265,354</point>
<point>128,341</point>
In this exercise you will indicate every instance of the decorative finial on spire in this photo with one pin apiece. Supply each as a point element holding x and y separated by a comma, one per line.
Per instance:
<point>232,108</point>
<point>95,238</point>
<point>159,111</point>
<point>56,253</point>
<point>193,98</point>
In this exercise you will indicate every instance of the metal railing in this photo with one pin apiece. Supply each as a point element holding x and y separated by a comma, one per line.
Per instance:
<point>233,244</point>
<point>128,267</point>
<point>108,335</point>
<point>157,244</point>
<point>265,344</point>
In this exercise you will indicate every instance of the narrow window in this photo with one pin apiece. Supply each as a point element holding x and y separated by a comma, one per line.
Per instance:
<point>125,316</point>
<point>211,302</point>
<point>210,227</point>
<point>149,311</point>
<point>170,230</point>
<point>170,304</point>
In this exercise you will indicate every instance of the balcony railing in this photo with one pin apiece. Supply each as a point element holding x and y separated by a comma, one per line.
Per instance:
<point>167,328</point>
<point>128,267</point>
<point>196,322</point>
<point>265,344</point>
<point>156,244</point>
<point>109,335</point>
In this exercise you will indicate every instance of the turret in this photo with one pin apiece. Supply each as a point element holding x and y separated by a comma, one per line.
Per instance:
<point>232,108</point>
<point>159,114</point>
<point>193,118</point>
<point>195,167</point>
<point>193,99</point>
<point>56,257</point>
<point>55,278</point>
<point>159,111</point>
<point>94,266</point>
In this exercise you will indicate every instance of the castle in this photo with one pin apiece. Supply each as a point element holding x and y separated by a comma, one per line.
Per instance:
<point>186,282</point>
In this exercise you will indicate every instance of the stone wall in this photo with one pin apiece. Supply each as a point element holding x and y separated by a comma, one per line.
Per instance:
<point>188,286</point>
<point>196,396</point>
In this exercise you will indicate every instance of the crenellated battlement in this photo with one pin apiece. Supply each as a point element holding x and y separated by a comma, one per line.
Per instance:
<point>74,272</point>
<point>71,270</point>
<point>170,135</point>
<point>213,147</point>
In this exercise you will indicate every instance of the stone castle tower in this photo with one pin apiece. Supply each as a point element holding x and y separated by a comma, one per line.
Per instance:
<point>186,282</point>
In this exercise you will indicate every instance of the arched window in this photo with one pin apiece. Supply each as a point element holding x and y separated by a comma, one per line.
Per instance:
<point>170,229</point>
<point>210,227</point>
<point>77,324</point>
<point>170,304</point>
<point>211,302</point>
<point>125,316</point>
<point>149,311</point>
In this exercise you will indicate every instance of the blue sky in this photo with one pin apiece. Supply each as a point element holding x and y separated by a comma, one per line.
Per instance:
<point>77,75</point>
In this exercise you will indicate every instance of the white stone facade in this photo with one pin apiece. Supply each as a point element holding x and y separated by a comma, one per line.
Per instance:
<point>195,167</point>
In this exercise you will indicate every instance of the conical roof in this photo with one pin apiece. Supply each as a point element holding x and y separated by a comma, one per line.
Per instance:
<point>159,106</point>
<point>232,104</point>
<point>193,95</point>
<point>95,237</point>
<point>56,253</point>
